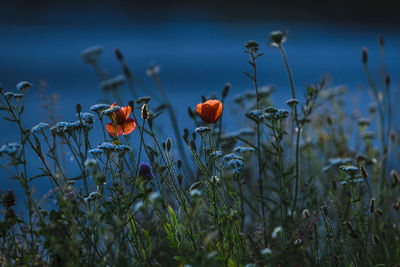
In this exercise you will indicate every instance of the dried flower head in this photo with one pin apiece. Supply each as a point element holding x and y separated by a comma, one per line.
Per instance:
<point>9,199</point>
<point>277,38</point>
<point>91,54</point>
<point>145,112</point>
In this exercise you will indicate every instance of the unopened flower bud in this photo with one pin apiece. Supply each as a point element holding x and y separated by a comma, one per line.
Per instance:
<point>150,122</point>
<point>131,103</point>
<point>225,91</point>
<point>193,145</point>
<point>203,98</point>
<point>349,226</point>
<point>78,108</point>
<point>379,212</point>
<point>179,178</point>
<point>190,112</point>
<point>387,80</point>
<point>372,205</point>
<point>395,177</point>
<point>381,41</point>
<point>194,136</point>
<point>169,144</point>
<point>396,205</point>
<point>364,55</point>
<point>179,163</point>
<point>186,135</point>
<point>118,54</point>
<point>364,172</point>
<point>126,70</point>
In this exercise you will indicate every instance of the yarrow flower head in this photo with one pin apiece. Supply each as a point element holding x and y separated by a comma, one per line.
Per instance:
<point>243,150</point>
<point>10,149</point>
<point>24,86</point>
<point>202,129</point>
<point>96,151</point>
<point>98,108</point>
<point>113,83</point>
<point>145,171</point>
<point>61,128</point>
<point>210,110</point>
<point>41,127</point>
<point>9,95</point>
<point>91,54</point>
<point>236,165</point>
<point>120,123</point>
<point>107,147</point>
<point>87,119</point>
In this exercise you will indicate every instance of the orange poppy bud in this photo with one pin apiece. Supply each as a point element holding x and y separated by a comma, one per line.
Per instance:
<point>120,123</point>
<point>210,111</point>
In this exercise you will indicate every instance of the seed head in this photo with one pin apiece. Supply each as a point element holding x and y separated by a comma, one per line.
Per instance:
<point>251,46</point>
<point>376,239</point>
<point>306,213</point>
<point>277,38</point>
<point>145,112</point>
<point>372,205</point>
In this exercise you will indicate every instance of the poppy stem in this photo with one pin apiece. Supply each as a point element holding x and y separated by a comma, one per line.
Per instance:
<point>252,51</point>
<point>298,126</point>
<point>175,125</point>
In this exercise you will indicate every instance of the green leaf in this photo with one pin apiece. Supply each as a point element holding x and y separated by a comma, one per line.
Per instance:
<point>174,220</point>
<point>147,236</point>
<point>182,259</point>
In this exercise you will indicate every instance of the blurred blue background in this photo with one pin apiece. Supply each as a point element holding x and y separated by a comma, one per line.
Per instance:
<point>199,47</point>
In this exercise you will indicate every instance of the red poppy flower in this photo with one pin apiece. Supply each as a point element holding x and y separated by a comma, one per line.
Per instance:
<point>120,123</point>
<point>210,111</point>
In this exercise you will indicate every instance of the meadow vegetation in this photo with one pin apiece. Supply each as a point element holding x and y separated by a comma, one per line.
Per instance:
<point>310,185</point>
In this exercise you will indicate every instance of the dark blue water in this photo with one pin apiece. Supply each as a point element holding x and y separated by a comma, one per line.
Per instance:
<point>195,59</point>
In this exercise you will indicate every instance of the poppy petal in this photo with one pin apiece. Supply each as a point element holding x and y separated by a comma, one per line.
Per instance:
<point>128,126</point>
<point>126,111</point>
<point>210,111</point>
<point>114,131</point>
